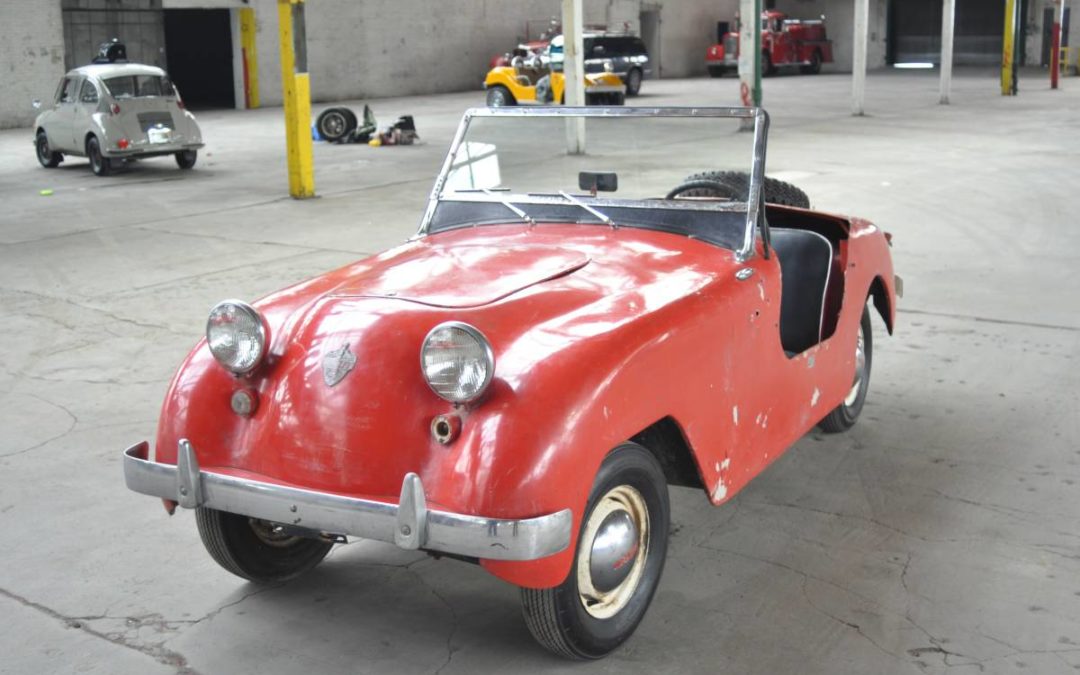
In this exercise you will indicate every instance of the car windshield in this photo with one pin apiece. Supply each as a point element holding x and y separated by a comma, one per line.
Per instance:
<point>640,167</point>
<point>138,86</point>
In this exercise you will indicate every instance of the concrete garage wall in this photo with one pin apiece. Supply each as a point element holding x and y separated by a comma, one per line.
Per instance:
<point>840,20</point>
<point>424,47</point>
<point>31,57</point>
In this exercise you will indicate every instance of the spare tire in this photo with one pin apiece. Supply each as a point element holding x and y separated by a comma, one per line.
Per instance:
<point>776,191</point>
<point>335,124</point>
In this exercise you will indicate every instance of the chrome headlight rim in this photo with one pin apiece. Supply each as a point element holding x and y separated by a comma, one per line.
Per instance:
<point>262,334</point>
<point>489,358</point>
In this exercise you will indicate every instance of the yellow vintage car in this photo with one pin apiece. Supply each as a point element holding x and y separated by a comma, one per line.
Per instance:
<point>531,82</point>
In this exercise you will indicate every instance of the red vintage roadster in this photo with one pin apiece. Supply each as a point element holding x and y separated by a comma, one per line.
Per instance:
<point>517,386</point>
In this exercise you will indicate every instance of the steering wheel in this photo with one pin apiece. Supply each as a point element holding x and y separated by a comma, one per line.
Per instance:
<point>705,188</point>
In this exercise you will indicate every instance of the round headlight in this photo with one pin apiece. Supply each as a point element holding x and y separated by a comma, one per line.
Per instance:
<point>457,361</point>
<point>236,335</point>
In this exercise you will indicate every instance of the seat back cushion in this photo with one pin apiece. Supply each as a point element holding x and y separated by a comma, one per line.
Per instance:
<point>805,263</point>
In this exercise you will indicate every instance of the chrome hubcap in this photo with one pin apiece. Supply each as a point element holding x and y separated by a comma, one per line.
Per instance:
<point>612,554</point>
<point>497,98</point>
<point>860,370</point>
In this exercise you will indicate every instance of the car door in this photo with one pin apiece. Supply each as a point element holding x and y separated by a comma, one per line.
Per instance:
<point>58,123</point>
<point>82,115</point>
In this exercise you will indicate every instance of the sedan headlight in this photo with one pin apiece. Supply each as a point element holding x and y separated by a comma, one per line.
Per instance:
<point>236,334</point>
<point>457,361</point>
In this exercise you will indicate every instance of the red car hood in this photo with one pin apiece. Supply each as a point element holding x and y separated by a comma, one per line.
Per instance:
<point>466,275</point>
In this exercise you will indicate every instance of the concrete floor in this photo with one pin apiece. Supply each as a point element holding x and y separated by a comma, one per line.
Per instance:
<point>938,535</point>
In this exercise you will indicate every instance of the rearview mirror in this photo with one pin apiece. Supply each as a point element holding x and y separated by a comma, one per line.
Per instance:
<point>598,181</point>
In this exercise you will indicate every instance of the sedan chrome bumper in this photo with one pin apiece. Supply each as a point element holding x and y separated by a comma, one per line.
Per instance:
<point>409,523</point>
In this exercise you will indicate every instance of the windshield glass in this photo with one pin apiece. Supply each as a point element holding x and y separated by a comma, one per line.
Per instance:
<point>638,167</point>
<point>138,86</point>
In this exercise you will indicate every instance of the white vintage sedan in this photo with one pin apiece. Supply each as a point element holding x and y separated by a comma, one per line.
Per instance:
<point>112,112</point>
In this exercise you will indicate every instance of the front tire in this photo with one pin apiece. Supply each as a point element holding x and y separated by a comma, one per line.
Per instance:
<point>622,546</point>
<point>99,164</point>
<point>185,159</point>
<point>45,155</point>
<point>499,97</point>
<point>716,71</point>
<point>254,550</point>
<point>844,416</point>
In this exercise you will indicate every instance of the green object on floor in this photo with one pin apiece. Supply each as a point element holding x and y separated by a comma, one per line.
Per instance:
<point>46,192</point>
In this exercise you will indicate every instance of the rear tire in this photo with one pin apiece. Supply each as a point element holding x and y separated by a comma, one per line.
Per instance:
<point>626,525</point>
<point>844,416</point>
<point>99,164</point>
<point>767,67</point>
<point>335,124</point>
<point>251,549</point>
<point>185,159</point>
<point>815,64</point>
<point>716,71</point>
<point>45,155</point>
<point>499,96</point>
<point>776,191</point>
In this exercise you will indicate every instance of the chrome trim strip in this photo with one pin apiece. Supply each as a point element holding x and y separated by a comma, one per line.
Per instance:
<point>755,212</point>
<point>475,536</point>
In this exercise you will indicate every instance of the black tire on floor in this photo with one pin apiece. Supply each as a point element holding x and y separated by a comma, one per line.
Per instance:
<point>335,124</point>
<point>499,96</point>
<point>45,155</point>
<point>587,623</point>
<point>717,71</point>
<point>618,99</point>
<point>250,548</point>
<point>99,164</point>
<point>633,82</point>
<point>844,416</point>
<point>185,159</point>
<point>776,191</point>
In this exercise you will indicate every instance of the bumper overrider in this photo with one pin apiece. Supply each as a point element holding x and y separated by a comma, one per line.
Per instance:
<point>410,523</point>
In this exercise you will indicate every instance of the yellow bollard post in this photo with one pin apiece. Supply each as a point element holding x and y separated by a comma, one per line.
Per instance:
<point>297,94</point>
<point>1008,58</point>
<point>250,62</point>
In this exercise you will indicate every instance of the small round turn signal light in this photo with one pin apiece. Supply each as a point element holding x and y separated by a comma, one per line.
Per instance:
<point>445,428</point>
<point>244,402</point>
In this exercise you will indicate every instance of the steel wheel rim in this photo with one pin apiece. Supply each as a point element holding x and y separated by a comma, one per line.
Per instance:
<point>606,604</point>
<point>498,99</point>
<point>43,147</point>
<point>333,124</point>
<point>860,370</point>
<point>271,534</point>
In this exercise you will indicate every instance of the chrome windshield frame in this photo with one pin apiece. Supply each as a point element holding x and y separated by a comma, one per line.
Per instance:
<point>754,204</point>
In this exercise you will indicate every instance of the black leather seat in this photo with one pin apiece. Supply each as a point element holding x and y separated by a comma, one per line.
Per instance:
<point>805,264</point>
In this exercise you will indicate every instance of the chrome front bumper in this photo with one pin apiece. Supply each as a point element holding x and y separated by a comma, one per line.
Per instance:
<point>409,523</point>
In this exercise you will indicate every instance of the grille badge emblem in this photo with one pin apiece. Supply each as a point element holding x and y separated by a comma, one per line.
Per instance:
<point>337,364</point>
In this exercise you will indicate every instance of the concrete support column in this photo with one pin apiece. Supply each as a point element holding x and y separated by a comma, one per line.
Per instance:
<point>750,53</point>
<point>1055,43</point>
<point>296,89</point>
<point>858,63</point>
<point>1008,49</point>
<point>948,24</point>
<point>574,73</point>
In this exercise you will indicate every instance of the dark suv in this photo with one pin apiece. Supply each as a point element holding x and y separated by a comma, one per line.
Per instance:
<point>624,55</point>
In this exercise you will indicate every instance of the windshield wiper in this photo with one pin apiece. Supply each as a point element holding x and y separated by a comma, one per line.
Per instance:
<point>504,201</point>
<point>577,202</point>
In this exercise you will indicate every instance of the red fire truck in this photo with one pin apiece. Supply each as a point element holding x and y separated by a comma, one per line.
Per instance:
<point>784,42</point>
